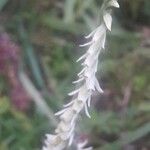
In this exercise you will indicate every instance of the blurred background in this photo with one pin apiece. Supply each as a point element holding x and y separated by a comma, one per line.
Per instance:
<point>38,48</point>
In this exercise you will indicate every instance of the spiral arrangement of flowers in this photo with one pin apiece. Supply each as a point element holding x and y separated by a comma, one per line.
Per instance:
<point>85,84</point>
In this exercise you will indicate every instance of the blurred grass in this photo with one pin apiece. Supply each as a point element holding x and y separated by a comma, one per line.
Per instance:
<point>17,130</point>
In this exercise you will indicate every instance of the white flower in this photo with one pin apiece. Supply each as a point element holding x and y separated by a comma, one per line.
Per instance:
<point>81,146</point>
<point>108,20</point>
<point>86,84</point>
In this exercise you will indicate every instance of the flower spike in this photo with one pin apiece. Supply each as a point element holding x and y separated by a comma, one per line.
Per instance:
<point>86,84</point>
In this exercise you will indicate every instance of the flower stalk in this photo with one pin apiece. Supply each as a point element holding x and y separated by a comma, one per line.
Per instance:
<point>86,84</point>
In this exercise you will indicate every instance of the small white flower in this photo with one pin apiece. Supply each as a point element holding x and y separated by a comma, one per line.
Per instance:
<point>84,93</point>
<point>99,32</point>
<point>108,20</point>
<point>91,34</point>
<point>89,101</point>
<point>78,105</point>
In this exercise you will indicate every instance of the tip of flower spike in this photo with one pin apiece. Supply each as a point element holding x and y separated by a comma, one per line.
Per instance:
<point>89,102</point>
<point>114,3</point>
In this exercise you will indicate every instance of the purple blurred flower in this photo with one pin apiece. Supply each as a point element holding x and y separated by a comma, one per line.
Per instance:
<point>9,65</point>
<point>9,52</point>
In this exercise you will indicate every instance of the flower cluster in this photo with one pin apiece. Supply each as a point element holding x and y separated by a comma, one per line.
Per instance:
<point>86,83</point>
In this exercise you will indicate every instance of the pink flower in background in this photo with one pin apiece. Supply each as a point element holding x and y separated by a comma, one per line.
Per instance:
<point>9,52</point>
<point>9,66</point>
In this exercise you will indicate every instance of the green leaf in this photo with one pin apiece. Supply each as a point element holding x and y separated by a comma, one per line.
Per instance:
<point>128,138</point>
<point>4,105</point>
<point>2,4</point>
<point>31,58</point>
<point>145,106</point>
<point>69,10</point>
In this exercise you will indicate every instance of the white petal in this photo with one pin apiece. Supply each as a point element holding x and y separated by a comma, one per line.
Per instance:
<point>89,101</point>
<point>100,31</point>
<point>67,115</point>
<point>74,92</point>
<point>71,139</point>
<point>50,139</point>
<point>81,72</point>
<point>86,44</point>
<point>95,66</point>
<point>71,132</point>
<point>88,61</point>
<point>77,106</point>
<point>81,145</point>
<point>104,40</point>
<point>89,73</point>
<point>64,136</point>
<point>97,86</point>
<point>94,49</point>
<point>50,136</point>
<point>86,111</point>
<point>44,148</point>
<point>82,57</point>
<point>62,127</point>
<point>90,83</point>
<point>91,34</point>
<point>69,104</point>
<point>77,81</point>
<point>60,112</point>
<point>108,20</point>
<point>73,120</point>
<point>83,94</point>
<point>114,3</point>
